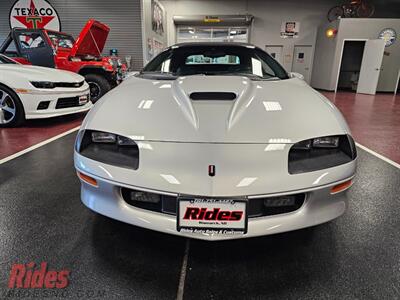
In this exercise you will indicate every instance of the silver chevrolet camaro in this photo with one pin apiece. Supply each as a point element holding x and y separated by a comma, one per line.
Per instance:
<point>215,141</point>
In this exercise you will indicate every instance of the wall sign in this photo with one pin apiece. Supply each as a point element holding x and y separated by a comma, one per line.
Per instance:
<point>211,19</point>
<point>290,29</point>
<point>157,17</point>
<point>389,35</point>
<point>34,14</point>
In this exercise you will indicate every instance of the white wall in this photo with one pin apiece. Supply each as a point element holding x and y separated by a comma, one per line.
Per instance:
<point>328,52</point>
<point>322,74</point>
<point>267,22</point>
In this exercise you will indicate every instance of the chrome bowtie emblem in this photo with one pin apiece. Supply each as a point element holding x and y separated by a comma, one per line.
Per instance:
<point>211,170</point>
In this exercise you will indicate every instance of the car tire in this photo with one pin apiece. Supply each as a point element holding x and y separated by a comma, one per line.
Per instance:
<point>12,113</point>
<point>98,86</point>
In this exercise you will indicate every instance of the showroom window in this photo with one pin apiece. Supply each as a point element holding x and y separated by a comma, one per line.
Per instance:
<point>212,34</point>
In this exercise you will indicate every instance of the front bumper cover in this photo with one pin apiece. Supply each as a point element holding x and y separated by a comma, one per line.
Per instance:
<point>319,207</point>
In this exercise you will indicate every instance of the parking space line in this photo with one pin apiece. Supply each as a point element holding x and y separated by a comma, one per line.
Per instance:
<point>384,158</point>
<point>182,278</point>
<point>31,148</point>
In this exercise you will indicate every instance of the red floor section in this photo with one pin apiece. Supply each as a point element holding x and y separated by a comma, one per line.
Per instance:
<point>373,120</point>
<point>13,140</point>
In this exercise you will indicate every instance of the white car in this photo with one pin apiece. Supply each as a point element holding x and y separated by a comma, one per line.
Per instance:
<point>30,92</point>
<point>215,141</point>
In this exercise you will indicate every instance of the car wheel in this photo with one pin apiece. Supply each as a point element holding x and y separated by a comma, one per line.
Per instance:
<point>98,86</point>
<point>11,109</point>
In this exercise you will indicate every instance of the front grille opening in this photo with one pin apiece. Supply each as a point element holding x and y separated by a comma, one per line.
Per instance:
<point>213,96</point>
<point>67,102</point>
<point>260,207</point>
<point>43,105</point>
<point>150,201</point>
<point>270,206</point>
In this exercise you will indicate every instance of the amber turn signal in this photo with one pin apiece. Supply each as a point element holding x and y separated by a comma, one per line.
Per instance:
<point>87,179</point>
<point>341,186</point>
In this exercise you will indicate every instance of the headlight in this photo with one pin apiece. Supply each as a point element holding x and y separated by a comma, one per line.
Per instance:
<point>103,137</point>
<point>108,148</point>
<point>321,153</point>
<point>326,142</point>
<point>321,142</point>
<point>43,84</point>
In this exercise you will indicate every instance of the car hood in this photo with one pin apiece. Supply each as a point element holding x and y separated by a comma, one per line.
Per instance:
<point>34,73</point>
<point>91,40</point>
<point>280,111</point>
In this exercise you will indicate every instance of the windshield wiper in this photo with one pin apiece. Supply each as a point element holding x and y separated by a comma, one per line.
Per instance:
<point>157,75</point>
<point>272,78</point>
<point>250,75</point>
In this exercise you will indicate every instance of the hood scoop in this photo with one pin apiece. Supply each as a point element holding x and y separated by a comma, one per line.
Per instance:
<point>226,96</point>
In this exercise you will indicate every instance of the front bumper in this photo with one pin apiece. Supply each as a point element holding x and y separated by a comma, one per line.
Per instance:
<point>31,100</point>
<point>320,206</point>
<point>187,165</point>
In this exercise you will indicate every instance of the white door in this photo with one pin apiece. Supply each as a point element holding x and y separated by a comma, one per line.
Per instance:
<point>275,52</point>
<point>302,61</point>
<point>371,66</point>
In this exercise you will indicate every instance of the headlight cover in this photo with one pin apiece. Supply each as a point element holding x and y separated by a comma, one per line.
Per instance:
<point>108,148</point>
<point>43,84</point>
<point>321,153</point>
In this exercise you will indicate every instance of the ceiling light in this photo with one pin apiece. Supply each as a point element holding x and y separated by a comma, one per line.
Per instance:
<point>331,33</point>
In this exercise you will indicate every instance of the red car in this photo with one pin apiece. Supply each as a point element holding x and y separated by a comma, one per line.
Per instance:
<point>59,50</point>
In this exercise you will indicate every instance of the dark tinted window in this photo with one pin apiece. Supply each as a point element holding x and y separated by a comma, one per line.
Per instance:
<point>215,60</point>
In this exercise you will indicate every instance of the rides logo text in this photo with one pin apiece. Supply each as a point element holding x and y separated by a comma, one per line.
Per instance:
<point>33,276</point>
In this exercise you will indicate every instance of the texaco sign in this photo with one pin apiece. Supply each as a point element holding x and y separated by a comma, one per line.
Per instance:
<point>34,14</point>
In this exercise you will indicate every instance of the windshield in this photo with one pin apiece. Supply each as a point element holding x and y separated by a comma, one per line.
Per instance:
<point>215,60</point>
<point>6,60</point>
<point>63,40</point>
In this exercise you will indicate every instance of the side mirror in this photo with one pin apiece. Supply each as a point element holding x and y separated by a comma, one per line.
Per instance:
<point>296,75</point>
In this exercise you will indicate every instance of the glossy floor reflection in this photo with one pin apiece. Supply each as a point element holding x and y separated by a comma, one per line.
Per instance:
<point>32,132</point>
<point>373,119</point>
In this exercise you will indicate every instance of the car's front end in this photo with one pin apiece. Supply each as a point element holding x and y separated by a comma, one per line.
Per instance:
<point>176,175</point>
<point>43,101</point>
<point>31,92</point>
<point>215,156</point>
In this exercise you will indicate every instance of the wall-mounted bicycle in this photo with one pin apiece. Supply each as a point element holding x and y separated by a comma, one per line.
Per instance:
<point>352,9</point>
